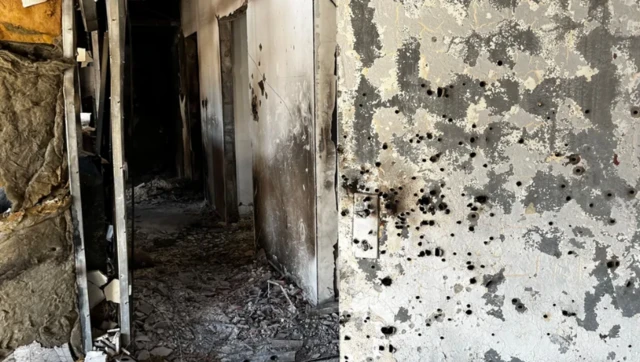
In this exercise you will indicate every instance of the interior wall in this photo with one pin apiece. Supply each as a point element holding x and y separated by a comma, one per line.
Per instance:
<point>325,148</point>
<point>489,161</point>
<point>211,103</point>
<point>243,120</point>
<point>281,71</point>
<point>37,273</point>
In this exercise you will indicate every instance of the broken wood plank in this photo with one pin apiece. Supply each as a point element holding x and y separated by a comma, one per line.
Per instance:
<point>73,144</point>
<point>104,67</point>
<point>117,22</point>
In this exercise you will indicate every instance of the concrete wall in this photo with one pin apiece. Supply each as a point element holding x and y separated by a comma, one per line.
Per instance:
<point>202,16</point>
<point>291,84</point>
<point>500,139</point>
<point>281,72</point>
<point>243,120</point>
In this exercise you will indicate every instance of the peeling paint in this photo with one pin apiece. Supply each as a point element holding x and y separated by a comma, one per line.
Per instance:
<point>503,134</point>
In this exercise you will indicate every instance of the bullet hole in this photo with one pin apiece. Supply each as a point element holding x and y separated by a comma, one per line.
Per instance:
<point>609,195</point>
<point>499,62</point>
<point>591,205</point>
<point>434,39</point>
<point>518,183</point>
<point>473,125</point>
<point>386,281</point>
<point>578,170</point>
<point>629,283</point>
<point>470,267</point>
<point>521,307</point>
<point>469,312</point>
<point>429,92</point>
<point>391,348</point>
<point>387,331</point>
<point>385,146</point>
<point>550,223</point>
<point>515,301</point>
<point>613,264</point>
<point>381,348</point>
<point>568,314</point>
<point>423,85</point>
<point>440,91</point>
<point>473,281</point>
<point>570,252</point>
<point>492,214</point>
<point>347,338</point>
<point>481,199</point>
<point>274,358</point>
<point>485,165</point>
<point>521,140</point>
<point>360,105</point>
<point>473,216</point>
<point>586,111</point>
<point>471,228</point>
<point>635,112</point>
<point>574,159</point>
<point>378,164</point>
<point>345,212</point>
<point>632,192</point>
<point>472,154</point>
<point>545,316</point>
<point>562,186</point>
<point>438,252</point>
<point>483,84</point>
<point>568,198</point>
<point>397,111</point>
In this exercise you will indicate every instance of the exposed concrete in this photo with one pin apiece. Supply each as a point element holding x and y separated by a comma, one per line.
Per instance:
<point>281,71</point>
<point>502,138</point>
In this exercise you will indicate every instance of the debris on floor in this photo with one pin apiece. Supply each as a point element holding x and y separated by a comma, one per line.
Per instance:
<point>208,296</point>
<point>36,353</point>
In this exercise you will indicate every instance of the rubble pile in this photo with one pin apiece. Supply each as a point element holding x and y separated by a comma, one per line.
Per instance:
<point>208,296</point>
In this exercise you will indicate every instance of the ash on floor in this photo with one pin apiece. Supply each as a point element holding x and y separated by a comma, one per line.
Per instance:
<point>202,293</point>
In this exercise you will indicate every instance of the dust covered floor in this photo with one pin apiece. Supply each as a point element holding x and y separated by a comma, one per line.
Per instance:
<point>202,293</point>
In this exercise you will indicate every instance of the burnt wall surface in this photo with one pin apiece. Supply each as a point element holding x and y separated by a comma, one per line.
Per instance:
<point>281,75</point>
<point>37,279</point>
<point>500,140</point>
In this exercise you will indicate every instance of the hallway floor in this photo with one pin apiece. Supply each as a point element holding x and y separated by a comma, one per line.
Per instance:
<point>202,293</point>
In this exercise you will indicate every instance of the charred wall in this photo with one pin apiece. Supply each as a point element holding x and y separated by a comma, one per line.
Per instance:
<point>500,141</point>
<point>281,73</point>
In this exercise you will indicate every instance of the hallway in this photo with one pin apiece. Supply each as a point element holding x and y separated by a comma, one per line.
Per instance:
<point>201,293</point>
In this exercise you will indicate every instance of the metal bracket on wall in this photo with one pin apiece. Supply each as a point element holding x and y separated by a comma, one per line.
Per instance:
<point>366,215</point>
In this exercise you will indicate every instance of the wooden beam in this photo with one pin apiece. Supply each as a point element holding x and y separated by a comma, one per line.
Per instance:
<point>89,15</point>
<point>116,16</point>
<point>73,144</point>
<point>104,68</point>
<point>95,52</point>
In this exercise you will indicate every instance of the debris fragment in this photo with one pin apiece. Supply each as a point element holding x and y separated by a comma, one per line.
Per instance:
<point>36,353</point>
